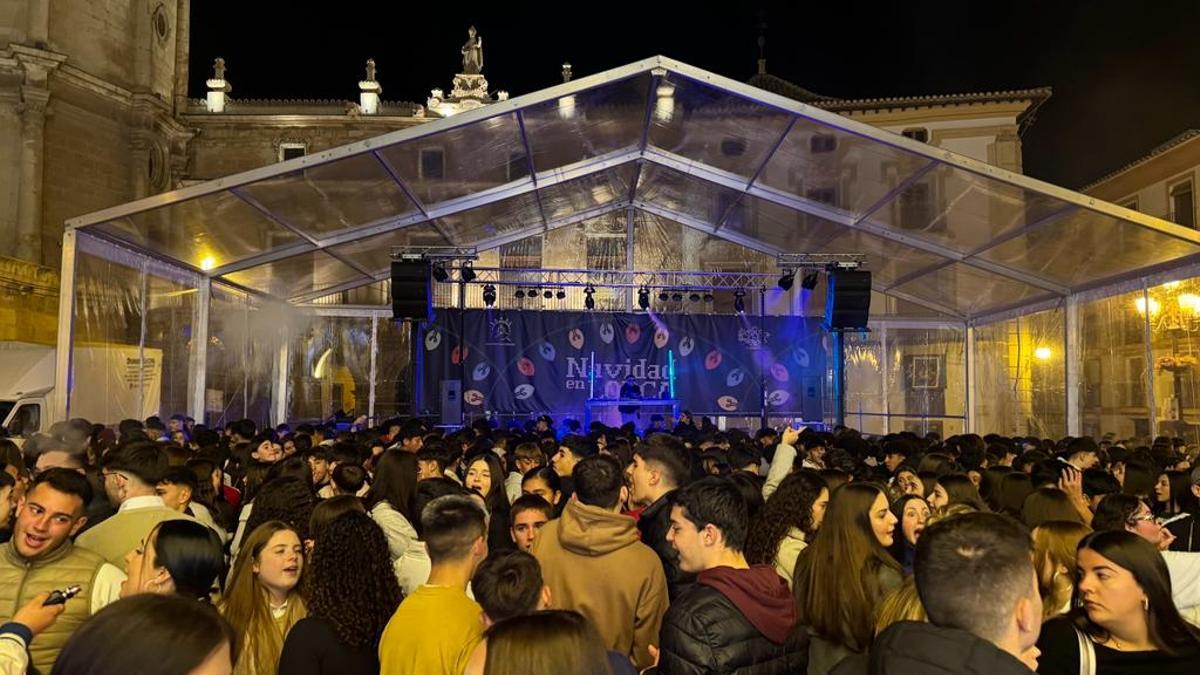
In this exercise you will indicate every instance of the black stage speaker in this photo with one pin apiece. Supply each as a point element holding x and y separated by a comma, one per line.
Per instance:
<point>848,299</point>
<point>411,289</point>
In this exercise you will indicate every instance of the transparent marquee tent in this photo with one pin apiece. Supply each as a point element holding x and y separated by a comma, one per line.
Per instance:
<point>1001,303</point>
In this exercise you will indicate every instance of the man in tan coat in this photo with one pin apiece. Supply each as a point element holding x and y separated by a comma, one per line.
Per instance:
<point>594,563</point>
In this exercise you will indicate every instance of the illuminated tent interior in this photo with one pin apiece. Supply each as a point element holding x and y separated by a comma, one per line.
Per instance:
<point>1001,303</point>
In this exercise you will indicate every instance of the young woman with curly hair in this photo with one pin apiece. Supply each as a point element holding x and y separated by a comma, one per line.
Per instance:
<point>263,601</point>
<point>352,594</point>
<point>788,521</point>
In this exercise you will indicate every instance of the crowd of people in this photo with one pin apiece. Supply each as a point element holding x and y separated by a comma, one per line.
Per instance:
<point>406,549</point>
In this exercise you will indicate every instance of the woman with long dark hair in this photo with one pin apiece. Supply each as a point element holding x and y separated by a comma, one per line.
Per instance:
<point>912,514</point>
<point>543,643</point>
<point>843,575</point>
<point>150,634</point>
<point>486,476</point>
<point>178,556</point>
<point>788,521</point>
<point>352,593</point>
<point>389,501</point>
<point>955,488</point>
<point>544,482</point>
<point>1123,619</point>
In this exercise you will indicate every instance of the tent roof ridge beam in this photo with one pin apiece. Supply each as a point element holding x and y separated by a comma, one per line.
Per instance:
<point>644,140</point>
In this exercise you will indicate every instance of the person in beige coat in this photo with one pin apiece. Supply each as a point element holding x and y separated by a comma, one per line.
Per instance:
<point>594,563</point>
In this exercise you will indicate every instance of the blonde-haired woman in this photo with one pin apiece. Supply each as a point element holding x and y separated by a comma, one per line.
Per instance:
<point>263,600</point>
<point>1054,546</point>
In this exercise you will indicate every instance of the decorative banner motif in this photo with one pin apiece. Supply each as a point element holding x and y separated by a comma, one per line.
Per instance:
<point>533,362</point>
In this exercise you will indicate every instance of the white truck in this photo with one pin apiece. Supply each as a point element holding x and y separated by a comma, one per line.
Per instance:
<point>110,382</point>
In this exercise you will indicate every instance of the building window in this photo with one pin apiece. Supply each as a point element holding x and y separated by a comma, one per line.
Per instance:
<point>432,163</point>
<point>916,207</point>
<point>518,166</point>
<point>1183,203</point>
<point>1131,204</point>
<point>825,195</point>
<point>1135,382</point>
<point>292,151</point>
<point>733,147</point>
<point>821,143</point>
<point>917,134</point>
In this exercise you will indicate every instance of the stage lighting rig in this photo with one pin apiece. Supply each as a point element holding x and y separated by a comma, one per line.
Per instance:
<point>489,295</point>
<point>440,273</point>
<point>809,281</point>
<point>467,273</point>
<point>739,301</point>
<point>663,296</point>
<point>589,302</point>
<point>788,278</point>
<point>677,297</point>
<point>560,294</point>
<point>644,297</point>
<point>547,294</point>
<point>520,294</point>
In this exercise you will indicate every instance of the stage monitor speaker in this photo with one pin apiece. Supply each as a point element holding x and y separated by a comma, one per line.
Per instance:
<point>848,299</point>
<point>412,296</point>
<point>451,405</point>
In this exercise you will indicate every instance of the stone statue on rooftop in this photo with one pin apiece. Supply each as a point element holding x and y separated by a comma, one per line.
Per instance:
<point>472,53</point>
<point>370,70</point>
<point>219,69</point>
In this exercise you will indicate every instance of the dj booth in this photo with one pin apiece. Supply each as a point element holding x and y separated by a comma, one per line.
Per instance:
<point>639,403</point>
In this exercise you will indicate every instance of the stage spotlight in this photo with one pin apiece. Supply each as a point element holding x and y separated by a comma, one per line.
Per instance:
<point>547,294</point>
<point>809,281</point>
<point>520,294</point>
<point>467,273</point>
<point>588,301</point>
<point>788,278</point>
<point>440,273</point>
<point>677,297</point>
<point>708,297</point>
<point>739,302</point>
<point>694,297</point>
<point>561,294</point>
<point>644,297</point>
<point>489,295</point>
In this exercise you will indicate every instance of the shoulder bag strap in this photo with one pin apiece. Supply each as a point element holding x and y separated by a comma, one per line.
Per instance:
<point>1087,653</point>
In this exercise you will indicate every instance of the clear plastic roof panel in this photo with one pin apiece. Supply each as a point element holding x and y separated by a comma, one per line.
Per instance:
<point>306,273</point>
<point>330,198</point>
<point>713,127</point>
<point>720,176</point>
<point>204,233</point>
<point>592,123</point>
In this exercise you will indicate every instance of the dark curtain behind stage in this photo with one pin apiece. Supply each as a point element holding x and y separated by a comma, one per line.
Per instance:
<point>535,362</point>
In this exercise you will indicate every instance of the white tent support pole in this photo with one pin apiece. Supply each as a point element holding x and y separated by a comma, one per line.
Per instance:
<point>969,373</point>
<point>1073,358</point>
<point>279,392</point>
<point>374,371</point>
<point>883,368</point>
<point>1151,403</point>
<point>630,262</point>
<point>198,355</point>
<point>141,375</point>
<point>60,404</point>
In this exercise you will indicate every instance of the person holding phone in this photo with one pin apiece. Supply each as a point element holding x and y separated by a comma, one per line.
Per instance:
<point>15,636</point>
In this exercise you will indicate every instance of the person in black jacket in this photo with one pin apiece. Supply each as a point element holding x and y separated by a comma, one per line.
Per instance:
<point>661,465</point>
<point>736,618</point>
<point>975,577</point>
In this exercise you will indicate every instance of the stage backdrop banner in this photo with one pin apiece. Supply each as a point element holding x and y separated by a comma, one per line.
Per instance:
<point>535,362</point>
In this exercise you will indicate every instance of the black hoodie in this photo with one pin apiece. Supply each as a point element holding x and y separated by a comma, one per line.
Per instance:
<point>913,648</point>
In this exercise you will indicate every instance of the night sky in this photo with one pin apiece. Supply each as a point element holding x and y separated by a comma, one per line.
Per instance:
<point>1126,75</point>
